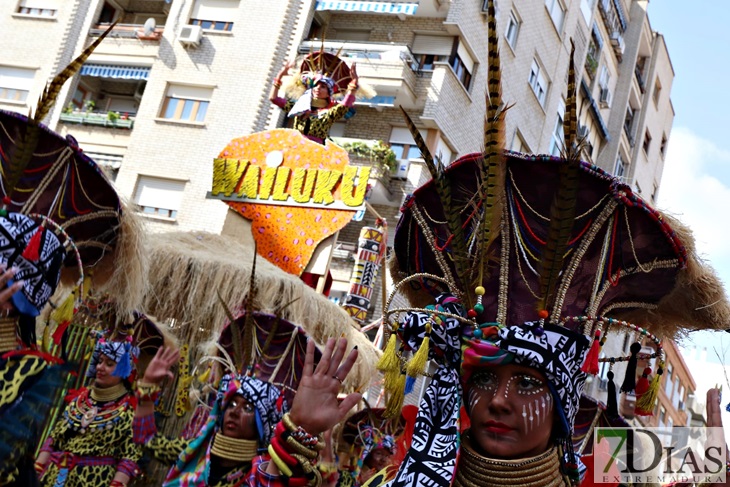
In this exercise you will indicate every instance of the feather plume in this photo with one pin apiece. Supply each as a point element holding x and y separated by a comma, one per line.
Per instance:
<point>492,164</point>
<point>249,324</point>
<point>453,215</point>
<point>235,333</point>
<point>562,209</point>
<point>27,144</point>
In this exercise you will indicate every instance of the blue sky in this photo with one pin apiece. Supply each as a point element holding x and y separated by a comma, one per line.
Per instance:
<point>696,180</point>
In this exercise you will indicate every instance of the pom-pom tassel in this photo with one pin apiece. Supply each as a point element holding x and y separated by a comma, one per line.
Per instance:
<point>389,360</point>
<point>63,316</point>
<point>124,366</point>
<point>32,251</point>
<point>612,400</point>
<point>590,364</point>
<point>645,403</point>
<point>396,398</point>
<point>417,364</point>
<point>629,383</point>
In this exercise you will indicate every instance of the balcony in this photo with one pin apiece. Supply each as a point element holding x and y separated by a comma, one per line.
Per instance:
<point>129,31</point>
<point>591,65</point>
<point>108,119</point>
<point>385,67</point>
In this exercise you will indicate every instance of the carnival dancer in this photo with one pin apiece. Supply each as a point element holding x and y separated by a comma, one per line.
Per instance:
<point>59,217</point>
<point>517,285</point>
<point>249,402</point>
<point>314,111</point>
<point>92,444</point>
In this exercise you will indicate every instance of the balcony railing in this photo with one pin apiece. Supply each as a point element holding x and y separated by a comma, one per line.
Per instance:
<point>106,119</point>
<point>640,78</point>
<point>128,31</point>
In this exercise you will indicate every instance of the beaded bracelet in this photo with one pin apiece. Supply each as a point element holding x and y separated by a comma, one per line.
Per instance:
<point>282,452</point>
<point>39,467</point>
<point>148,392</point>
<point>299,433</point>
<point>117,483</point>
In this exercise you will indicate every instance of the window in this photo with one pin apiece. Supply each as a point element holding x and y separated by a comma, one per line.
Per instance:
<point>513,29</point>
<point>663,146</point>
<point>662,416</point>
<point>39,8</point>
<point>426,62</point>
<point>556,142</point>
<point>647,142</point>
<point>537,82</point>
<point>214,14</point>
<point>519,144</point>
<point>657,92</point>
<point>668,381</point>
<point>654,193</point>
<point>593,55</point>
<point>186,103</point>
<point>619,169</point>
<point>629,122</point>
<point>430,49</point>
<point>403,145</point>
<point>557,13</point>
<point>15,83</point>
<point>461,70</point>
<point>159,197</point>
<point>604,78</point>
<point>586,7</point>
<point>80,97</point>
<point>357,35</point>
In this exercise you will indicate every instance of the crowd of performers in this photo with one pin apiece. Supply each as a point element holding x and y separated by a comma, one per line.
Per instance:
<point>513,291</point>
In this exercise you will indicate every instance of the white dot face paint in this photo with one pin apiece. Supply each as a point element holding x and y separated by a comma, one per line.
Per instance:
<point>474,398</point>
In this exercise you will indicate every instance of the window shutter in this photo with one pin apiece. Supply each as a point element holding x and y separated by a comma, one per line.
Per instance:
<point>401,135</point>
<point>159,193</point>
<point>430,44</point>
<point>218,10</point>
<point>16,78</point>
<point>190,92</point>
<point>465,58</point>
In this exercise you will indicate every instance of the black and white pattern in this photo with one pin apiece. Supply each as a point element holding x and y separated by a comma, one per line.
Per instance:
<point>116,351</point>
<point>266,398</point>
<point>557,352</point>
<point>445,338</point>
<point>40,278</point>
<point>431,460</point>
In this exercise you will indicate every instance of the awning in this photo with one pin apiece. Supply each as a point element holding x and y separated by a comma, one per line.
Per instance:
<point>373,7</point>
<point>115,72</point>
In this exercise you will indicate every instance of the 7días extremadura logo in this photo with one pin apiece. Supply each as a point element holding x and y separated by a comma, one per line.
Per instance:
<point>659,455</point>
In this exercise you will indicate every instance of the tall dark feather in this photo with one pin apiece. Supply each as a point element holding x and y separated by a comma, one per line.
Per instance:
<point>28,143</point>
<point>452,214</point>
<point>250,323</point>
<point>562,209</point>
<point>492,164</point>
<point>235,333</point>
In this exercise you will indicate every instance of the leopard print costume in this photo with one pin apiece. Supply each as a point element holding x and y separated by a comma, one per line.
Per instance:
<point>110,439</point>
<point>167,450</point>
<point>318,124</point>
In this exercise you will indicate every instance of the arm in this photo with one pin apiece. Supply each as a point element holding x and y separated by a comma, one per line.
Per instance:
<point>273,94</point>
<point>129,453</point>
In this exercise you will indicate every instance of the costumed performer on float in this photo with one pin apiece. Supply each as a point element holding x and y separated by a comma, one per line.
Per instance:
<point>92,444</point>
<point>59,217</point>
<point>517,286</point>
<point>323,76</point>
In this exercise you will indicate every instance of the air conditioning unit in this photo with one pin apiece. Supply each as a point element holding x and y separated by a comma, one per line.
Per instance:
<point>190,35</point>
<point>605,97</point>
<point>617,41</point>
<point>401,170</point>
<point>485,6</point>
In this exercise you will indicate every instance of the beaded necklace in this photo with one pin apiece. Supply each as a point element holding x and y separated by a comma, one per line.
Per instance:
<point>86,413</point>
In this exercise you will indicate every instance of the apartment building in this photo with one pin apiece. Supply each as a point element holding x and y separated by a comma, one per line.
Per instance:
<point>176,80</point>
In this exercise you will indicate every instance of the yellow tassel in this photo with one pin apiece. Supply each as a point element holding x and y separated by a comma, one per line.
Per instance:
<point>203,378</point>
<point>389,360</point>
<point>396,398</point>
<point>87,286</point>
<point>46,341</point>
<point>647,400</point>
<point>417,364</point>
<point>65,312</point>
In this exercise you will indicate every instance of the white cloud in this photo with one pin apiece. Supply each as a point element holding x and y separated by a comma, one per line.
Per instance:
<point>695,187</point>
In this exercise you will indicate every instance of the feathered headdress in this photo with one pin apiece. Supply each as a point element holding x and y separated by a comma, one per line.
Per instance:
<point>530,260</point>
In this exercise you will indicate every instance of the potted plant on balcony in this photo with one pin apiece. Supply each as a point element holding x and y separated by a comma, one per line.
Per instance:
<point>112,117</point>
<point>89,106</point>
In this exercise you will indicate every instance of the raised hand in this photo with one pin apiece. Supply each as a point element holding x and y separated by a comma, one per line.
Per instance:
<point>353,73</point>
<point>160,365</point>
<point>285,70</point>
<point>7,292</point>
<point>315,406</point>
